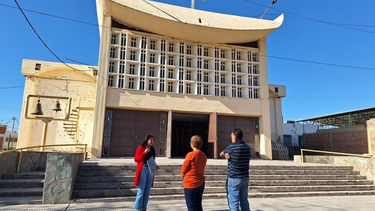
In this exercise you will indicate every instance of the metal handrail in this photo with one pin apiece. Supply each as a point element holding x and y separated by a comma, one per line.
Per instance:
<point>55,145</point>
<point>336,153</point>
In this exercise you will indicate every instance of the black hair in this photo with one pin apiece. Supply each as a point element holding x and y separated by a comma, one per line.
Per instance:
<point>145,142</point>
<point>237,132</point>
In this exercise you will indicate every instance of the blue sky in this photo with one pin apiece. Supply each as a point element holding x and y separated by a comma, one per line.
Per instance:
<point>332,32</point>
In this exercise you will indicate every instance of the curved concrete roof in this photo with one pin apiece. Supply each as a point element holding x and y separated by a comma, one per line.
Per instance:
<point>188,24</point>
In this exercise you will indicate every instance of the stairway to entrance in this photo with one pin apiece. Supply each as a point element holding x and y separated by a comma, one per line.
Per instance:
<point>22,188</point>
<point>115,182</point>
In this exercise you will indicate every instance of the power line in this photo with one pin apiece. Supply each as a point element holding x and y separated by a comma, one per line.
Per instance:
<point>343,25</point>
<point>11,87</point>
<point>36,33</point>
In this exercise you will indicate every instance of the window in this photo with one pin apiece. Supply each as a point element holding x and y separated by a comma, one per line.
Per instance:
<point>38,66</point>
<point>233,78</point>
<point>249,56</point>
<point>250,81</point>
<point>216,64</point>
<point>205,89</point>
<point>153,45</point>
<point>250,92</point>
<point>122,67</point>
<point>199,50</point>
<point>132,69</point>
<point>216,77</point>
<point>170,86</point>
<point>162,45</point>
<point>113,39</point>
<point>233,54</point>
<point>162,58</point>
<point>171,47</point>
<point>123,39</point>
<point>216,90</point>
<point>255,69</point>
<point>131,83</point>
<point>112,54</point>
<point>180,87</point>
<point>142,83</point>
<point>152,58</point>
<point>143,69</point>
<point>255,81</point>
<point>144,42</point>
<point>222,91</point>
<point>152,72</point>
<point>249,68</point>
<point>216,52</point>
<point>233,66</point>
<point>188,88</point>
<point>181,61</point>
<point>181,74</point>
<point>255,58</point>
<point>170,73</point>
<point>111,67</point>
<point>238,80</point>
<point>132,55</point>
<point>256,94</point>
<point>162,85</point>
<point>222,78</point>
<point>205,51</point>
<point>188,62</point>
<point>205,77</point>
<point>162,72</point>
<point>188,49</point>
<point>110,80</point>
<point>277,89</point>
<point>122,53</point>
<point>170,60</point>
<point>222,64</point>
<point>151,84</point>
<point>182,48</point>
<point>199,63</point>
<point>239,68</point>
<point>133,42</point>
<point>234,91</point>
<point>238,55</point>
<point>199,75</point>
<point>239,92</point>
<point>222,54</point>
<point>143,55</point>
<point>188,75</point>
<point>199,88</point>
<point>205,64</point>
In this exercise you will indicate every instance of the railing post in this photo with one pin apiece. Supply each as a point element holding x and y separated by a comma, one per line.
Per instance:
<point>19,162</point>
<point>85,155</point>
<point>301,155</point>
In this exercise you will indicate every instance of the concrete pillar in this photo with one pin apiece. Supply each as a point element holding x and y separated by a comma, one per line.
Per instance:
<point>264,120</point>
<point>101,89</point>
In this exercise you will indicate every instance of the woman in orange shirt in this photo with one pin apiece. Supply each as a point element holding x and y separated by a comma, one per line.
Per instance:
<point>193,174</point>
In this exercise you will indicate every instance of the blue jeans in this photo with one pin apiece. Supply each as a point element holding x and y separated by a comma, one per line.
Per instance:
<point>238,194</point>
<point>193,198</point>
<point>144,188</point>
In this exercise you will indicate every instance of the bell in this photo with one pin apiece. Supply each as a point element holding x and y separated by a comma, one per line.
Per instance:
<point>57,107</point>
<point>37,109</point>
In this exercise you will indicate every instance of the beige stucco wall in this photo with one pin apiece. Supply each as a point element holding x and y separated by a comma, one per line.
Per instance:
<point>55,79</point>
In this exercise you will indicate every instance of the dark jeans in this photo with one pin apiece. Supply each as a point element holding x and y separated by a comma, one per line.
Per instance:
<point>193,198</point>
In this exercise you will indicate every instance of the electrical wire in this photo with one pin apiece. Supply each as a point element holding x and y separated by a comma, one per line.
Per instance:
<point>36,33</point>
<point>11,87</point>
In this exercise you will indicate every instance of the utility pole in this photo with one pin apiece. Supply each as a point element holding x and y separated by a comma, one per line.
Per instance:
<point>10,135</point>
<point>273,2</point>
<point>193,3</point>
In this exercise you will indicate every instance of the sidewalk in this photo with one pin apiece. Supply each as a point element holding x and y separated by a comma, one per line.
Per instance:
<point>335,203</point>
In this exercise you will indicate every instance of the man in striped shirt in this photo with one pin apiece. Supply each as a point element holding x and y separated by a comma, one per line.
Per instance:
<point>238,156</point>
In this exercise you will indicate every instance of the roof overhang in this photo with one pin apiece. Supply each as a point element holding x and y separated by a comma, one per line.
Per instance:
<point>185,23</point>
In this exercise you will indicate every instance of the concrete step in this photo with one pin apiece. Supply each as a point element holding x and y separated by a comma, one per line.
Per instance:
<point>20,192</point>
<point>307,177</point>
<point>25,175</point>
<point>21,183</point>
<point>320,188</point>
<point>224,196</point>
<point>307,182</point>
<point>20,200</point>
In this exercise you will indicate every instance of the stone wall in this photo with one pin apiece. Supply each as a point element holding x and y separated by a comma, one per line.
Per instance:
<point>33,161</point>
<point>61,172</point>
<point>366,166</point>
<point>371,135</point>
<point>8,162</point>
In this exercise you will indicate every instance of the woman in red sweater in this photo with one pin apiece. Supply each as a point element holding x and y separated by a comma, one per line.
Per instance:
<point>143,177</point>
<point>193,174</point>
